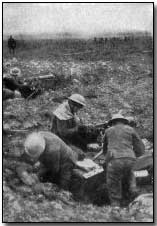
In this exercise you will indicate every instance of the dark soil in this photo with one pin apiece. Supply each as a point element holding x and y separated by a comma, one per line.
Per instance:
<point>110,82</point>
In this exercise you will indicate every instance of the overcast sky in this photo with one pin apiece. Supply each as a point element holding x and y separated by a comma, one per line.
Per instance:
<point>84,18</point>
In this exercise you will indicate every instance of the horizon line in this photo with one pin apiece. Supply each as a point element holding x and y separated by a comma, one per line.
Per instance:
<point>79,34</point>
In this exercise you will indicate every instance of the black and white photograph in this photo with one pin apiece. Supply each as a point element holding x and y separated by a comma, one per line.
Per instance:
<point>78,112</point>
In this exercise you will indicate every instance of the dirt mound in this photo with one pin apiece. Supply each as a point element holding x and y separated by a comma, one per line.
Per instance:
<point>110,81</point>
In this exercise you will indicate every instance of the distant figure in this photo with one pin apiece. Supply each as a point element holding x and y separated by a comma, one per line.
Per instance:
<point>101,40</point>
<point>11,45</point>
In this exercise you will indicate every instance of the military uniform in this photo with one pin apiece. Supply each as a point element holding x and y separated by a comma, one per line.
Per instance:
<point>65,124</point>
<point>57,159</point>
<point>11,45</point>
<point>8,94</point>
<point>121,146</point>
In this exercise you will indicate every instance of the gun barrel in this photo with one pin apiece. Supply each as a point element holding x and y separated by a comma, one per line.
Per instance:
<point>104,124</point>
<point>97,155</point>
<point>14,131</point>
<point>42,77</point>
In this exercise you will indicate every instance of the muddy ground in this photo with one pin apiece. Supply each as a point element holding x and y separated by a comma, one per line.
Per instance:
<point>110,79</point>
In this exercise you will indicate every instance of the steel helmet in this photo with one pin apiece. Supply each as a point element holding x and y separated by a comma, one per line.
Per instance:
<point>34,145</point>
<point>78,99</point>
<point>131,120</point>
<point>118,117</point>
<point>15,72</point>
<point>17,94</point>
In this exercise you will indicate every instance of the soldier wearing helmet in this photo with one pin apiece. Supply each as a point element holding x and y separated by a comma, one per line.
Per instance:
<point>66,122</point>
<point>121,147</point>
<point>55,157</point>
<point>8,94</point>
<point>16,73</point>
<point>132,121</point>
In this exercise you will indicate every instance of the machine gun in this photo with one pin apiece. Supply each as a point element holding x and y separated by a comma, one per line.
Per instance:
<point>102,126</point>
<point>43,81</point>
<point>93,133</point>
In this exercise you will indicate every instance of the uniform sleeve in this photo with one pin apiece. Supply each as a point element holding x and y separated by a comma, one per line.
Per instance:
<point>138,145</point>
<point>68,155</point>
<point>63,130</point>
<point>21,168</point>
<point>67,163</point>
<point>24,174</point>
<point>52,160</point>
<point>105,143</point>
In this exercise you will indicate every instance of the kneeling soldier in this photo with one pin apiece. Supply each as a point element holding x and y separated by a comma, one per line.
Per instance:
<point>55,157</point>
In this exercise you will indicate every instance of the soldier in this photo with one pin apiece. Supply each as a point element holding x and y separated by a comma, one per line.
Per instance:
<point>55,157</point>
<point>121,147</point>
<point>11,45</point>
<point>13,83</point>
<point>68,126</point>
<point>132,181</point>
<point>9,94</point>
<point>66,122</point>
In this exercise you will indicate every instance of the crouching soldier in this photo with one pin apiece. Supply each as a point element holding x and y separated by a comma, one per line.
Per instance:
<point>68,126</point>
<point>66,122</point>
<point>8,94</point>
<point>121,146</point>
<point>55,156</point>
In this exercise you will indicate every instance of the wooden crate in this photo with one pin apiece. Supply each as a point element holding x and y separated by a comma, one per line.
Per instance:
<point>90,190</point>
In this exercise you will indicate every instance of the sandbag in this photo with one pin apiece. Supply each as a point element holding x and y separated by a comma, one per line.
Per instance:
<point>143,162</point>
<point>143,203</point>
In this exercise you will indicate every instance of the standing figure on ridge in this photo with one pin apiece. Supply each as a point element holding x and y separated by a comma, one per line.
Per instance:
<point>11,45</point>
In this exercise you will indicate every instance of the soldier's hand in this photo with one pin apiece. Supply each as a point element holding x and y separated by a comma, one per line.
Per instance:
<point>81,156</point>
<point>39,188</point>
<point>35,178</point>
<point>28,179</point>
<point>36,167</point>
<point>77,120</point>
<point>75,129</point>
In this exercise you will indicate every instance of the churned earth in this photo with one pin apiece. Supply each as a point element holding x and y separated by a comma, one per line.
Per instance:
<point>109,85</point>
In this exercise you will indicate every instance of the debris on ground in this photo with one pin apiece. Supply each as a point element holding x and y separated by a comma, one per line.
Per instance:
<point>110,82</point>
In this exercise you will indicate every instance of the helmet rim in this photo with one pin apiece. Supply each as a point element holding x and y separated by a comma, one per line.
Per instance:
<point>118,117</point>
<point>77,98</point>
